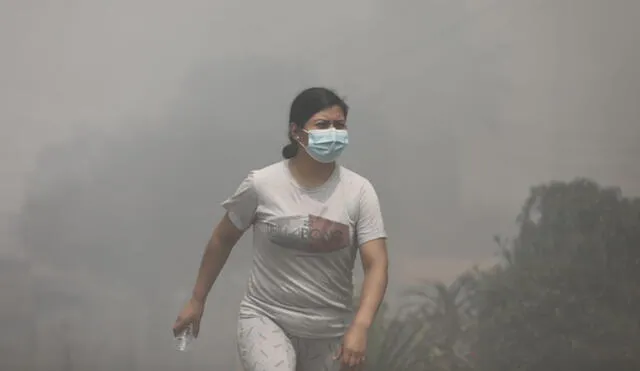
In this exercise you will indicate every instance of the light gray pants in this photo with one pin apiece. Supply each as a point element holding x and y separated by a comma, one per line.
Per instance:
<point>264,346</point>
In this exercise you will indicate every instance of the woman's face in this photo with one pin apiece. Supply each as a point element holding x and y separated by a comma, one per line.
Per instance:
<point>332,117</point>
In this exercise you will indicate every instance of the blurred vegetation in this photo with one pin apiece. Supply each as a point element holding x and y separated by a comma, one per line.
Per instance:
<point>565,295</point>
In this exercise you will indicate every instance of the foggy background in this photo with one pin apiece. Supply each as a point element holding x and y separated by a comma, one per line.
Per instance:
<point>126,123</point>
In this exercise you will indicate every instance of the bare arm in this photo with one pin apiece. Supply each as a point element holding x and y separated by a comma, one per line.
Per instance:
<point>375,265</point>
<point>223,239</point>
<point>241,208</point>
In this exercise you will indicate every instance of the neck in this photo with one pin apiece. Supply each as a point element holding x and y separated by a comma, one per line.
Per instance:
<point>309,172</point>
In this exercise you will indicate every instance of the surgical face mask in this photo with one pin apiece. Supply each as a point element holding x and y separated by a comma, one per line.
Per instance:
<point>326,145</point>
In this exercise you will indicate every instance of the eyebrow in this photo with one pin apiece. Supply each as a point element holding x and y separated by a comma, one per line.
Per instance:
<point>329,120</point>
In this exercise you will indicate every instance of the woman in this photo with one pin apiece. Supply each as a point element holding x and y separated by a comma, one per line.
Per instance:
<point>309,217</point>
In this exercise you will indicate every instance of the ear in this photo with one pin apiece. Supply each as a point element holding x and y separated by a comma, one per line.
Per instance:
<point>293,131</point>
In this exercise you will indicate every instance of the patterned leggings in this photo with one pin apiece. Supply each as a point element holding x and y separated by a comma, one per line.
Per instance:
<point>264,346</point>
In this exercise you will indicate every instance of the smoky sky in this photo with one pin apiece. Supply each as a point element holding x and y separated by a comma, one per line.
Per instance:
<point>125,124</point>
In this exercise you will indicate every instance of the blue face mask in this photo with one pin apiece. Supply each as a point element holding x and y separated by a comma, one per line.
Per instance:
<point>326,145</point>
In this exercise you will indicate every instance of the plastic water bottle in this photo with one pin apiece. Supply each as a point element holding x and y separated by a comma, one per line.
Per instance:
<point>184,339</point>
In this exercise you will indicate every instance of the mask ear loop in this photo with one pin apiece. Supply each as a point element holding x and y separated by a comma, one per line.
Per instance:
<point>297,139</point>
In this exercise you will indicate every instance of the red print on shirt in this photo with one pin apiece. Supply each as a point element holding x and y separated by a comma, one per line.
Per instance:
<point>327,235</point>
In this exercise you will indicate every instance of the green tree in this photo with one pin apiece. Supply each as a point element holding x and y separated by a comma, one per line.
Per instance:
<point>567,292</point>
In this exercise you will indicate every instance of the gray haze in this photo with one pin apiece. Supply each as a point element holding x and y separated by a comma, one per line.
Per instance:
<point>125,123</point>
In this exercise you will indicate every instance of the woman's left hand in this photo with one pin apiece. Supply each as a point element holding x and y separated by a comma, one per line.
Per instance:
<point>354,346</point>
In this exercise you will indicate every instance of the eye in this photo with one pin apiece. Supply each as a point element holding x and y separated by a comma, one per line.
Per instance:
<point>323,124</point>
<point>339,125</point>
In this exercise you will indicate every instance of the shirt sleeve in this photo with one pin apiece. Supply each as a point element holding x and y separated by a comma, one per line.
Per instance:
<point>241,206</point>
<point>370,225</point>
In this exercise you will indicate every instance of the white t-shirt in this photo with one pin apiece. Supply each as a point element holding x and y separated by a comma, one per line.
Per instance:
<point>305,242</point>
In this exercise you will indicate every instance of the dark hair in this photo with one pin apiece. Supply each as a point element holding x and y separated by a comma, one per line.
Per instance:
<point>304,106</point>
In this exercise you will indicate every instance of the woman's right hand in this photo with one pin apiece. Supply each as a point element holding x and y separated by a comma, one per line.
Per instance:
<point>191,314</point>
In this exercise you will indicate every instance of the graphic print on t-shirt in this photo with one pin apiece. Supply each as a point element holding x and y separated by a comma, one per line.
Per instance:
<point>312,234</point>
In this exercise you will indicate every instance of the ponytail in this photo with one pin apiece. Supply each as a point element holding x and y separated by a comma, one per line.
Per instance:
<point>291,149</point>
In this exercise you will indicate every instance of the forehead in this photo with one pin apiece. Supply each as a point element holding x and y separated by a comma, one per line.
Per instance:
<point>331,113</point>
